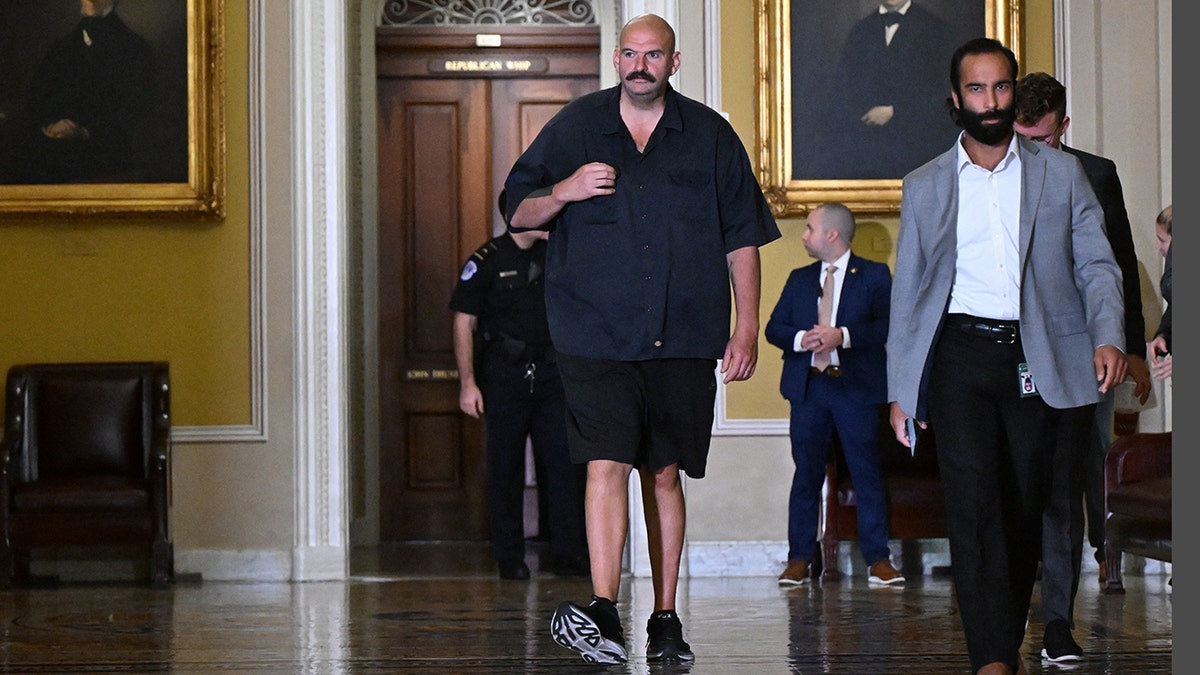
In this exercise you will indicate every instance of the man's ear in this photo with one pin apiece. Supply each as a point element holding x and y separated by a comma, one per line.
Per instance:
<point>1066,124</point>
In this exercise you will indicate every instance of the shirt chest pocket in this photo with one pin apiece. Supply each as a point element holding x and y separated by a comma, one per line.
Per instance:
<point>688,191</point>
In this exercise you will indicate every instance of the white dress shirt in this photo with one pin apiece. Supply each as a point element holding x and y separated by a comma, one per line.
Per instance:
<point>987,274</point>
<point>839,275</point>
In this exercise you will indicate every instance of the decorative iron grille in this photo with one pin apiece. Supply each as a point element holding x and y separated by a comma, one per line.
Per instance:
<point>474,12</point>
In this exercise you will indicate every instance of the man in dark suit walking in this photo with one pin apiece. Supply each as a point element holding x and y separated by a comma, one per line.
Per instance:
<point>1084,433</point>
<point>831,323</point>
<point>1006,309</point>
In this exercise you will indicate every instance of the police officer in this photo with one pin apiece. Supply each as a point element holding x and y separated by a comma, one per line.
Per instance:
<point>506,365</point>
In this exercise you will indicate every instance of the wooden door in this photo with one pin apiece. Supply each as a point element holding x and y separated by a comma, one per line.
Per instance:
<point>445,145</point>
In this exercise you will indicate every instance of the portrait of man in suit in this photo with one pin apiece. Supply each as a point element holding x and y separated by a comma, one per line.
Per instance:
<point>1006,309</point>
<point>868,95</point>
<point>91,94</point>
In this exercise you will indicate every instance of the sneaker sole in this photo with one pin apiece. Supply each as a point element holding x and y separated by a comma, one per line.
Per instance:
<point>572,628</point>
<point>670,655</point>
<point>1060,659</point>
<point>792,582</point>
<point>890,582</point>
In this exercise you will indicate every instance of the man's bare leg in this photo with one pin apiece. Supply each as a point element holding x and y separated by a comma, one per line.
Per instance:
<point>666,517</point>
<point>606,507</point>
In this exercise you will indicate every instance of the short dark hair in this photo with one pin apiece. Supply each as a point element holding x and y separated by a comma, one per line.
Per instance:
<point>979,45</point>
<point>1039,94</point>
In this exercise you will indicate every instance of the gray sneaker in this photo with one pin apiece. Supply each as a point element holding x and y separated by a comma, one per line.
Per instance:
<point>593,631</point>
<point>665,642</point>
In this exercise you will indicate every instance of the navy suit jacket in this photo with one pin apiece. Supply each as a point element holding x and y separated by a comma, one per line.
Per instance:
<point>862,309</point>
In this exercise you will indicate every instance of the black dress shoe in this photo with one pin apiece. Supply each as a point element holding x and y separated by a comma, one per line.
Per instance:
<point>513,569</point>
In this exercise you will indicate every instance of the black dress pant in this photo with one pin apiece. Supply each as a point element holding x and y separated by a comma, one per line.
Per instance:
<point>994,451</point>
<point>1063,521</point>
<point>516,408</point>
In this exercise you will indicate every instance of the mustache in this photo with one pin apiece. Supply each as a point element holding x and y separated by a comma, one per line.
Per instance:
<point>997,114</point>
<point>645,75</point>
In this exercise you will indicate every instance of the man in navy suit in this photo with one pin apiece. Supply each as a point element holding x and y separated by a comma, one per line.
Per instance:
<point>831,323</point>
<point>1006,310</point>
<point>1084,433</point>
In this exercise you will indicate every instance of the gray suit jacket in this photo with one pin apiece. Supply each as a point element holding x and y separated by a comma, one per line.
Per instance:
<point>1071,299</point>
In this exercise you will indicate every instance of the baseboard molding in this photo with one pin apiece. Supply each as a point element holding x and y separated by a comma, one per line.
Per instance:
<point>235,565</point>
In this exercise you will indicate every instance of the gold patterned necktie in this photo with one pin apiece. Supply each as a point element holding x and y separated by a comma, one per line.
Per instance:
<point>825,315</point>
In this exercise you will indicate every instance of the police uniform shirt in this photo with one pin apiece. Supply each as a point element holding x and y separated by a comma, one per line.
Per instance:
<point>502,285</point>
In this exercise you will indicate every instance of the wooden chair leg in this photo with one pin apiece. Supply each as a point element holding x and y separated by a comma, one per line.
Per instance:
<point>162,563</point>
<point>829,559</point>
<point>1113,583</point>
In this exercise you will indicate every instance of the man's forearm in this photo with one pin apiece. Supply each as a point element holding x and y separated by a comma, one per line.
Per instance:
<point>746,274</point>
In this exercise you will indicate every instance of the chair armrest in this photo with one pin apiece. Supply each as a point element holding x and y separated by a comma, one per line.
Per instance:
<point>1138,457</point>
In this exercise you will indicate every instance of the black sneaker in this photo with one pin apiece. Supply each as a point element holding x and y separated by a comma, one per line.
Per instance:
<point>664,642</point>
<point>593,631</point>
<point>1058,645</point>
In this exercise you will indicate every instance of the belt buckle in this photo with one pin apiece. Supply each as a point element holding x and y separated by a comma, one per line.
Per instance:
<point>1010,333</point>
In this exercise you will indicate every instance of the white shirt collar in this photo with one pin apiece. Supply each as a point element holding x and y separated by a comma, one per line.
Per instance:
<point>964,159</point>
<point>903,8</point>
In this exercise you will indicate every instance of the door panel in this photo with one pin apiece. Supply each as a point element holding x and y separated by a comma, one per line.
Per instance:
<point>433,213</point>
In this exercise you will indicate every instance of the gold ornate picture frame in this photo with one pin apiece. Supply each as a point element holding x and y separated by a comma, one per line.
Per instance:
<point>170,162</point>
<point>802,160</point>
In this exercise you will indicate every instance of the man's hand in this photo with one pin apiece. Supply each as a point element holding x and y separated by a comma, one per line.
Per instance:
<point>822,339</point>
<point>878,116</point>
<point>470,400</point>
<point>1110,367</point>
<point>741,356</point>
<point>590,180</point>
<point>897,418</point>
<point>1160,358</point>
<point>1140,372</point>
<point>65,129</point>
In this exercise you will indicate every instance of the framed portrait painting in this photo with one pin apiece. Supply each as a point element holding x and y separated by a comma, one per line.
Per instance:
<point>112,107</point>
<point>854,94</point>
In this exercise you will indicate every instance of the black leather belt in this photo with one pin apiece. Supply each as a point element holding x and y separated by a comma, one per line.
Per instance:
<point>830,371</point>
<point>1002,332</point>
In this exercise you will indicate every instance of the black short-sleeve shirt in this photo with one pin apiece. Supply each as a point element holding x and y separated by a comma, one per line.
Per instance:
<point>642,274</point>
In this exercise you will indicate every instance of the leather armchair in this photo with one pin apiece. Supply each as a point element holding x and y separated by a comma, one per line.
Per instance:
<point>86,462</point>
<point>1137,497</point>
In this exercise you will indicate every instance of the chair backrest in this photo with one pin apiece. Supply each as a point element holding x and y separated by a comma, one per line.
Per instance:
<point>86,419</point>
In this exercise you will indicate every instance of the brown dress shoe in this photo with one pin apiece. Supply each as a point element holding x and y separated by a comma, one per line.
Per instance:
<point>796,573</point>
<point>882,572</point>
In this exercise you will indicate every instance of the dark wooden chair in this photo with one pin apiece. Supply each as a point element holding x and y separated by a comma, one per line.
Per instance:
<point>913,490</point>
<point>1137,497</point>
<point>86,462</point>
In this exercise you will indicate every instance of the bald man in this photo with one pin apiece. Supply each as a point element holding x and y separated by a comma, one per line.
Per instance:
<point>653,209</point>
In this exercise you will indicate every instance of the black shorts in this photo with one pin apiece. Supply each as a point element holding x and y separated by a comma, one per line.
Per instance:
<point>647,414</point>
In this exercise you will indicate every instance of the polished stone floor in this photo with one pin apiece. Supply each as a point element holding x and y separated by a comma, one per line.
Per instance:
<point>441,609</point>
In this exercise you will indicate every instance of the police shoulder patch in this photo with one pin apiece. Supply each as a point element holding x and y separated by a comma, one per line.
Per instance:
<point>468,270</point>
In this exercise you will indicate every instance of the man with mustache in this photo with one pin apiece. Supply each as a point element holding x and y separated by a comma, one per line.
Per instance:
<point>1004,285</point>
<point>653,209</point>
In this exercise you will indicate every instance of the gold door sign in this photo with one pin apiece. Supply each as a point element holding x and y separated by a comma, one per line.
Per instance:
<point>516,65</point>
<point>422,374</point>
